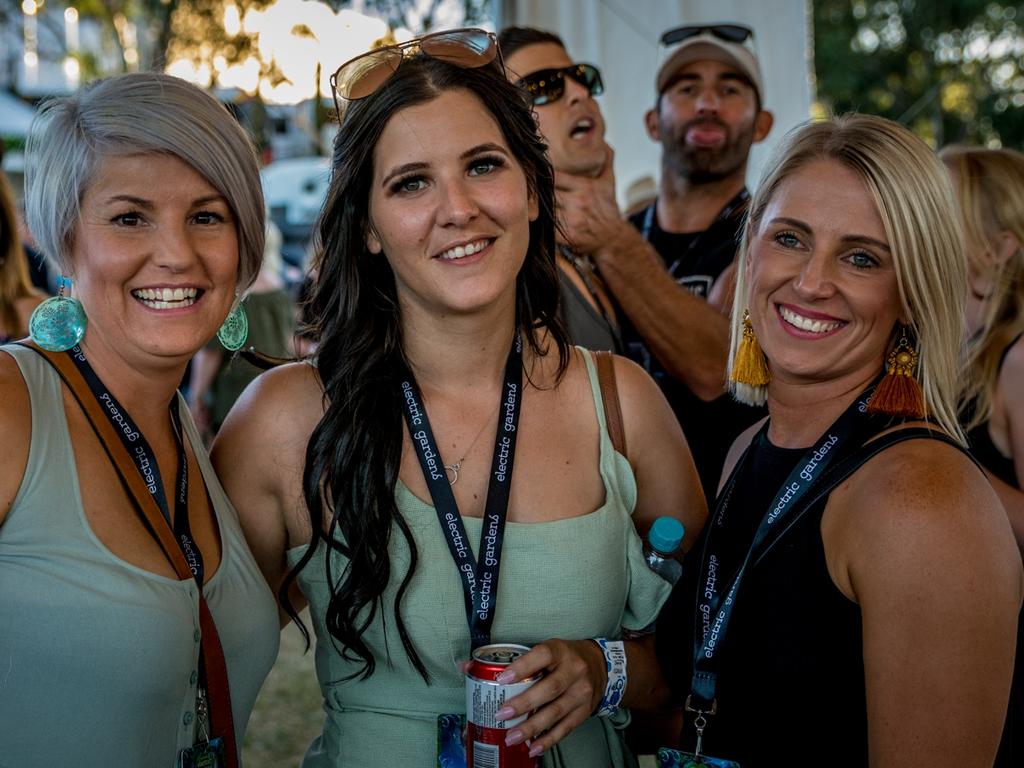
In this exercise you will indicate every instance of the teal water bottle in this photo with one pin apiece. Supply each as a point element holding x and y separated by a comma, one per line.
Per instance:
<point>662,543</point>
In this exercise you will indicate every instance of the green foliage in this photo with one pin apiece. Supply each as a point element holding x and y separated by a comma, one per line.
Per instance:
<point>195,32</point>
<point>949,69</point>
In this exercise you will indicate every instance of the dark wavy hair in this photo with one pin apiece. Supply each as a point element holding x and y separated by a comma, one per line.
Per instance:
<point>353,455</point>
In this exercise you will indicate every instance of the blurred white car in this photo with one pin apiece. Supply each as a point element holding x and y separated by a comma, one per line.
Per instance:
<point>295,190</point>
<point>297,187</point>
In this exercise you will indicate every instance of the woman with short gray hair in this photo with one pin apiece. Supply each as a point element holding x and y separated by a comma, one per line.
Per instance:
<point>124,577</point>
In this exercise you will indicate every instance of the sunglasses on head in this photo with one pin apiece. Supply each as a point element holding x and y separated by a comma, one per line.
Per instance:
<point>548,85</point>
<point>730,33</point>
<point>361,76</point>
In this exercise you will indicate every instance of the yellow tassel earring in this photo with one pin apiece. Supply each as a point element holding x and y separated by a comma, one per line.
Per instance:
<point>749,367</point>
<point>898,393</point>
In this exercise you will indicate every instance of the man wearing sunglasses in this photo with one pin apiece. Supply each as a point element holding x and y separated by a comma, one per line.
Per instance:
<point>670,273</point>
<point>570,121</point>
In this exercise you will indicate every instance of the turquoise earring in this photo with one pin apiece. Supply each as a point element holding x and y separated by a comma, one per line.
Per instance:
<point>58,324</point>
<point>235,330</point>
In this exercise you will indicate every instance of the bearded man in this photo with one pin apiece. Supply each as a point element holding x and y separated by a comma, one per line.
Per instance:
<point>670,272</point>
<point>707,115</point>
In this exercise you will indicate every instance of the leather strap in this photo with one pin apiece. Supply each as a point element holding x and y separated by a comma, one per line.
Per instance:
<point>218,692</point>
<point>610,396</point>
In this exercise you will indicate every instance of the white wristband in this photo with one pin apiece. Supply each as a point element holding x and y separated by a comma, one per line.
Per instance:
<point>615,663</point>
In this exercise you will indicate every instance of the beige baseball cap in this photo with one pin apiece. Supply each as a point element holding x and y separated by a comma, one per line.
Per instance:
<point>728,43</point>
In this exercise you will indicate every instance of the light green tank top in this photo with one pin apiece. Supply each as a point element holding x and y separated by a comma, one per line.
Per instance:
<point>576,578</point>
<point>98,658</point>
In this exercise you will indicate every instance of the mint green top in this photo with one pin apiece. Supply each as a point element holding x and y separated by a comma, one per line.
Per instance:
<point>98,658</point>
<point>575,578</point>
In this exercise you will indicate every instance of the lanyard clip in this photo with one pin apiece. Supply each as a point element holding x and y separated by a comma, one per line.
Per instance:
<point>690,707</point>
<point>202,716</point>
<point>700,722</point>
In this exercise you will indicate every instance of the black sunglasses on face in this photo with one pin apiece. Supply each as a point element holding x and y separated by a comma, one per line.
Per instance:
<point>730,33</point>
<point>548,85</point>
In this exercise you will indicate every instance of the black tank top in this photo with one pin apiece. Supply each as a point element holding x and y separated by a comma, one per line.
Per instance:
<point>791,685</point>
<point>981,444</point>
<point>1011,749</point>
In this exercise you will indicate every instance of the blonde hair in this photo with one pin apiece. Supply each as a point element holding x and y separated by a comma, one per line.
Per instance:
<point>14,278</point>
<point>989,185</point>
<point>915,201</point>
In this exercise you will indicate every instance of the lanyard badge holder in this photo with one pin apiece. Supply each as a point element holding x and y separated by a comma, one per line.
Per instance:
<point>135,463</point>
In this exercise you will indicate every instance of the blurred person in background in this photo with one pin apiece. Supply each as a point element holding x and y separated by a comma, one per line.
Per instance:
<point>137,628</point>
<point>990,189</point>
<point>18,297</point>
<point>668,268</point>
<point>219,377</point>
<point>37,270</point>
<point>393,455</point>
<point>989,185</point>
<point>570,122</point>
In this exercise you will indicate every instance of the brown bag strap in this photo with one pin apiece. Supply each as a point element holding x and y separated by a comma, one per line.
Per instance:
<point>610,397</point>
<point>221,720</point>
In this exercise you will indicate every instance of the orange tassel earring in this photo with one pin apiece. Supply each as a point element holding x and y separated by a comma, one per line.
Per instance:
<point>898,393</point>
<point>749,367</point>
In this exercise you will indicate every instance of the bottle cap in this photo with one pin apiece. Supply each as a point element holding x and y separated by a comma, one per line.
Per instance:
<point>666,535</point>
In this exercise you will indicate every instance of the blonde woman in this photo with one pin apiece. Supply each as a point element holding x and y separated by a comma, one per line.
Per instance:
<point>855,595</point>
<point>17,295</point>
<point>990,189</point>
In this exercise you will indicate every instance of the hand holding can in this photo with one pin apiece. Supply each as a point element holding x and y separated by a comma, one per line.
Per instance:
<point>573,679</point>
<point>487,691</point>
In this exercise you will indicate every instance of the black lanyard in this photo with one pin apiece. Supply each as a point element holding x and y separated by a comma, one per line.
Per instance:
<point>145,461</point>
<point>712,611</point>
<point>726,213</point>
<point>479,578</point>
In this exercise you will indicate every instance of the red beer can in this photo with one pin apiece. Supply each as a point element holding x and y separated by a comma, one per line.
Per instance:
<point>485,735</point>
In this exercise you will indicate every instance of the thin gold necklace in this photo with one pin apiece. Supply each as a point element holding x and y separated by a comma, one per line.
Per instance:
<point>452,470</point>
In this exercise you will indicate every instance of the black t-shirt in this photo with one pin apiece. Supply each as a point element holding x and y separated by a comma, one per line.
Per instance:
<point>696,260</point>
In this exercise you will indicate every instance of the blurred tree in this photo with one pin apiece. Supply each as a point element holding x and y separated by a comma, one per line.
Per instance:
<point>951,70</point>
<point>145,34</point>
<point>209,34</point>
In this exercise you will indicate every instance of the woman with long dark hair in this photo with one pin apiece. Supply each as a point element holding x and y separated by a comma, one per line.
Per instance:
<point>443,401</point>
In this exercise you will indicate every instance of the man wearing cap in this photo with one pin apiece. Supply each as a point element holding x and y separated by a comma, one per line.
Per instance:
<point>670,272</point>
<point>707,115</point>
<point>570,121</point>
